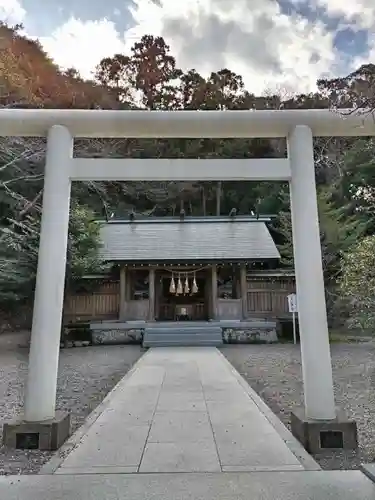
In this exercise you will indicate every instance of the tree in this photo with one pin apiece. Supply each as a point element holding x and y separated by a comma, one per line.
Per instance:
<point>29,77</point>
<point>223,90</point>
<point>115,73</point>
<point>83,244</point>
<point>18,257</point>
<point>149,72</point>
<point>357,284</point>
<point>19,253</point>
<point>357,183</point>
<point>355,91</point>
<point>339,231</point>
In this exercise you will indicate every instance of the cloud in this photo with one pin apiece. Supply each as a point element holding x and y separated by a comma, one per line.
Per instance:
<point>83,44</point>
<point>270,48</point>
<point>12,11</point>
<point>359,13</point>
<point>251,37</point>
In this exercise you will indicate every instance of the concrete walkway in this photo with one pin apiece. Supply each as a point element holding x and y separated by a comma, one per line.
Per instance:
<point>323,485</point>
<point>184,410</point>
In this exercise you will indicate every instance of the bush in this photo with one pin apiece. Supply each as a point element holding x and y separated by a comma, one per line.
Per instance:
<point>357,284</point>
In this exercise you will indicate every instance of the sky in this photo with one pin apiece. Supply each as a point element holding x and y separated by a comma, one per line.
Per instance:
<point>276,45</point>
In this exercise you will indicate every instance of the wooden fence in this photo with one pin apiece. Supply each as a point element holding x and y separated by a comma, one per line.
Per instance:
<point>103,303</point>
<point>267,296</point>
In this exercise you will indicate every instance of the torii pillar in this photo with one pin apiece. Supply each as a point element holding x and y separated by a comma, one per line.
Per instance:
<point>42,427</point>
<point>317,425</point>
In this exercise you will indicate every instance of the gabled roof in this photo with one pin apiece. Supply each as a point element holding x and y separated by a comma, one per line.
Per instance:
<point>190,240</point>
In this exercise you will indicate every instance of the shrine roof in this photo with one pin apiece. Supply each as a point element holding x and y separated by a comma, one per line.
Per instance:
<point>205,239</point>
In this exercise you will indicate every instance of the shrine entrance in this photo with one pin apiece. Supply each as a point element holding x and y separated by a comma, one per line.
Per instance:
<point>183,296</point>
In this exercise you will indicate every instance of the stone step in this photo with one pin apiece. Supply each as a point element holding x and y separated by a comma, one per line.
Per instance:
<point>182,343</point>
<point>191,336</point>
<point>182,331</point>
<point>181,335</point>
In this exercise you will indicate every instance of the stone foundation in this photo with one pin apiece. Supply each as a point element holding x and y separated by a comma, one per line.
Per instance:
<point>264,334</point>
<point>117,336</point>
<point>75,343</point>
<point>48,435</point>
<point>317,436</point>
<point>259,333</point>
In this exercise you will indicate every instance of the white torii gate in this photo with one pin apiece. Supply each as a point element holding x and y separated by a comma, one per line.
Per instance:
<point>62,126</point>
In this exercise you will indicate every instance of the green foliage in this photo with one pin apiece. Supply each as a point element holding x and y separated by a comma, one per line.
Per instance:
<point>357,183</point>
<point>339,231</point>
<point>19,243</point>
<point>357,283</point>
<point>18,258</point>
<point>83,244</point>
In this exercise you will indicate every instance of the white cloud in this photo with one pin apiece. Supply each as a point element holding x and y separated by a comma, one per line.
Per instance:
<point>83,44</point>
<point>252,37</point>
<point>12,11</point>
<point>360,13</point>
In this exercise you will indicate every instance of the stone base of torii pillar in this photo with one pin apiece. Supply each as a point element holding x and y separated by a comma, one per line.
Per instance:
<point>48,435</point>
<point>317,436</point>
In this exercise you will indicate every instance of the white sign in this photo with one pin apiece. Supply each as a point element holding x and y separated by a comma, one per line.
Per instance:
<point>292,303</point>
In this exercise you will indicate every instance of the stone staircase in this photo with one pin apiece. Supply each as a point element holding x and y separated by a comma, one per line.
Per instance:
<point>189,335</point>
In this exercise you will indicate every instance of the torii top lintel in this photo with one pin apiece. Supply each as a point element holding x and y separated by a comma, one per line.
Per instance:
<point>188,124</point>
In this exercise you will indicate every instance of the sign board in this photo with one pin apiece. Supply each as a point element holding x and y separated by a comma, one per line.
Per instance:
<point>292,303</point>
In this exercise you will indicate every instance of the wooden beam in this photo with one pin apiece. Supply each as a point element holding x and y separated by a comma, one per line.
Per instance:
<point>122,313</point>
<point>214,291</point>
<point>243,286</point>
<point>151,294</point>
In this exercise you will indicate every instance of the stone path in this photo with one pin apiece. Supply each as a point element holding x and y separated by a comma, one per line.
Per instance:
<point>182,410</point>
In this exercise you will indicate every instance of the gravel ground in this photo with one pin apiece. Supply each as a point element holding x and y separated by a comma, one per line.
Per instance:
<point>274,372</point>
<point>86,375</point>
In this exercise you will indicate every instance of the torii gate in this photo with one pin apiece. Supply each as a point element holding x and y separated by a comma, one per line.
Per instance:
<point>62,126</point>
